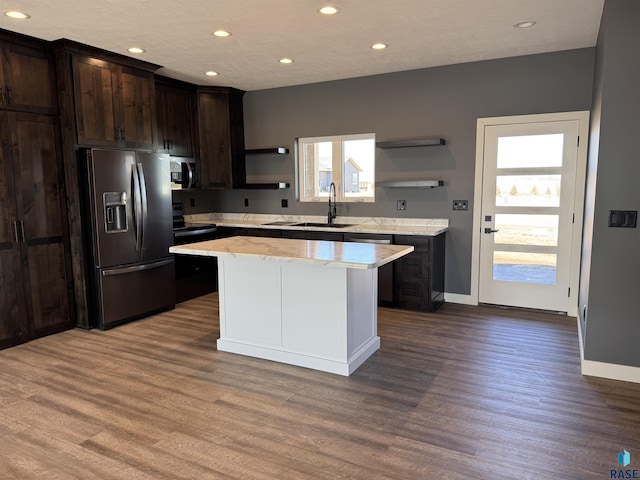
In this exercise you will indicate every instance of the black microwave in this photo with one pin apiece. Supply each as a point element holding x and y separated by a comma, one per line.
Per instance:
<point>183,174</point>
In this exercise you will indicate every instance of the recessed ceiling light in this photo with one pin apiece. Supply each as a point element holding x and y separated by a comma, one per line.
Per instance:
<point>286,60</point>
<point>17,15</point>
<point>527,24</point>
<point>329,10</point>
<point>135,50</point>
<point>379,46</point>
<point>221,33</point>
<point>211,73</point>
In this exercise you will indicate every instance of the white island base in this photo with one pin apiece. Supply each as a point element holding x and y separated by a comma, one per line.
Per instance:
<point>304,302</point>
<point>308,315</point>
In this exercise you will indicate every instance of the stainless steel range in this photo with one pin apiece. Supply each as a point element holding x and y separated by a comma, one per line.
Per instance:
<point>195,276</point>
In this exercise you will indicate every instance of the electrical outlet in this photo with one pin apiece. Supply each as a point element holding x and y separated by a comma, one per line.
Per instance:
<point>246,202</point>
<point>461,204</point>
<point>193,202</point>
<point>284,203</point>
<point>401,205</point>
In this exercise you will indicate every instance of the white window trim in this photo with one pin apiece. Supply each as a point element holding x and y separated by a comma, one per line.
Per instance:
<point>337,168</point>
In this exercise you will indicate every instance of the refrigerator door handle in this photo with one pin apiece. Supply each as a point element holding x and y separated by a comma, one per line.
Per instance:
<point>136,268</point>
<point>137,206</point>
<point>190,174</point>
<point>143,199</point>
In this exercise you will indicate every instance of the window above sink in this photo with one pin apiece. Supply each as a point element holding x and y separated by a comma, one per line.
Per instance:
<point>346,160</point>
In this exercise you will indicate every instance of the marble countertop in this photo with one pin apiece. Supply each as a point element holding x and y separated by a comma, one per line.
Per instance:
<point>383,225</point>
<point>320,252</point>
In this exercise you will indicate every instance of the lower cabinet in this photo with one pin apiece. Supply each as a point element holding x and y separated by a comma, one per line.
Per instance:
<point>34,262</point>
<point>419,276</point>
<point>413,282</point>
<point>195,276</point>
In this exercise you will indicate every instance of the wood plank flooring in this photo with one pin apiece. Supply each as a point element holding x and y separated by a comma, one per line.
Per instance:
<point>464,393</point>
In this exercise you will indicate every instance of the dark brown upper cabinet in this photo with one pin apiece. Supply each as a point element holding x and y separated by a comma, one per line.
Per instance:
<point>221,135</point>
<point>27,79</point>
<point>114,104</point>
<point>175,107</point>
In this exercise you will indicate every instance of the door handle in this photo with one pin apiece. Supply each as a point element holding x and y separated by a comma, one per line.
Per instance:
<point>137,206</point>
<point>143,203</point>
<point>490,230</point>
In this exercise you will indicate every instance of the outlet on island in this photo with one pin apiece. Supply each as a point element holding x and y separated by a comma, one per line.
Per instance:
<point>401,205</point>
<point>246,202</point>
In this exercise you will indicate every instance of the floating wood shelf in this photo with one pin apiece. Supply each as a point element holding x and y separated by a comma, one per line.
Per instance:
<point>265,186</point>
<point>272,150</point>
<point>419,142</point>
<point>411,184</point>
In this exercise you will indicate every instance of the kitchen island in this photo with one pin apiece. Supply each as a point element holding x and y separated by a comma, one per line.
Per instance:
<point>309,303</point>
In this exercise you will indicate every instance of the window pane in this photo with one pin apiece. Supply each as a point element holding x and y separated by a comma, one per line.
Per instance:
<point>325,167</point>
<point>526,229</point>
<point>525,267</point>
<point>358,157</point>
<point>528,190</point>
<point>530,151</point>
<point>308,161</point>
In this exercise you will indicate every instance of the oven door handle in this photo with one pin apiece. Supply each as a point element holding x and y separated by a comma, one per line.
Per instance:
<point>194,233</point>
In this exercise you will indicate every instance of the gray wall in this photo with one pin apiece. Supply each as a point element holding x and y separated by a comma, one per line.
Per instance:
<point>443,101</point>
<point>612,331</point>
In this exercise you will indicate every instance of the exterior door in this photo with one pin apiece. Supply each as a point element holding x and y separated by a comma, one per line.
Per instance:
<point>527,214</point>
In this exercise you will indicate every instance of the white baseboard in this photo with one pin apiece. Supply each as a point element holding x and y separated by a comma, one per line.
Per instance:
<point>458,298</point>
<point>611,371</point>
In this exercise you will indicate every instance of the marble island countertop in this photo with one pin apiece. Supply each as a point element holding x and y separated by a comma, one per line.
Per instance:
<point>320,252</point>
<point>382,225</point>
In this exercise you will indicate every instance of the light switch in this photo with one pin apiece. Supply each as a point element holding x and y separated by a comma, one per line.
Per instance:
<point>623,218</point>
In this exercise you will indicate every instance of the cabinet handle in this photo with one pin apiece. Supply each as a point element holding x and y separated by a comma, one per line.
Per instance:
<point>15,231</point>
<point>9,95</point>
<point>22,229</point>
<point>164,144</point>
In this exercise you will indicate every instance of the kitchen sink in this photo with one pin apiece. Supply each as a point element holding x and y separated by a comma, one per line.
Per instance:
<point>323,225</point>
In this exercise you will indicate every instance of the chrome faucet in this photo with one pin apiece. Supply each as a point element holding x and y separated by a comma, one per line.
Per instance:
<point>332,205</point>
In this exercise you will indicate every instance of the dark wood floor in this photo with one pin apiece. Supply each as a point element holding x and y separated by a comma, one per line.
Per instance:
<point>465,393</point>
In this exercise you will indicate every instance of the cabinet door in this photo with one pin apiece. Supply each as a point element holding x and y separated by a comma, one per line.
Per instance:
<point>412,276</point>
<point>175,109</point>
<point>39,196</point>
<point>13,320</point>
<point>29,79</point>
<point>135,108</point>
<point>94,84</point>
<point>331,236</point>
<point>259,232</point>
<point>221,131</point>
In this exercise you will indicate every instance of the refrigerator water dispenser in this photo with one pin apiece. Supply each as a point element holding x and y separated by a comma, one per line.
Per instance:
<point>115,211</point>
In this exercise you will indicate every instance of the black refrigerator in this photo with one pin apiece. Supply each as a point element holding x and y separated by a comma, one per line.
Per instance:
<point>128,231</point>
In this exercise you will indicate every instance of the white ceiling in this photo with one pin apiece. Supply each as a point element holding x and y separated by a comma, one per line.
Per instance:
<point>420,33</point>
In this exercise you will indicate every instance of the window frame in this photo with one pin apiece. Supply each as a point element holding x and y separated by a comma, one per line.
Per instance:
<point>337,165</point>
